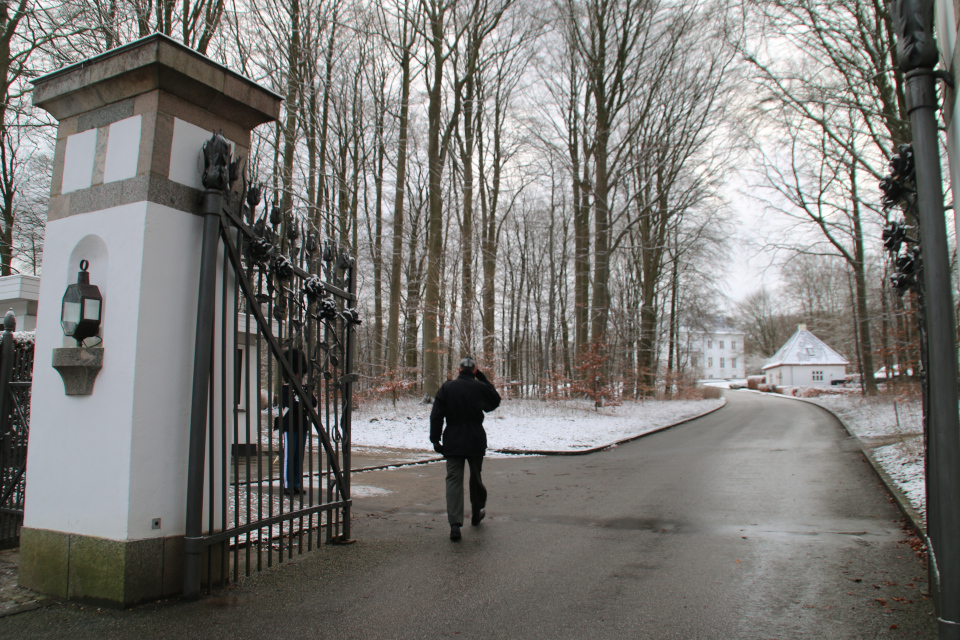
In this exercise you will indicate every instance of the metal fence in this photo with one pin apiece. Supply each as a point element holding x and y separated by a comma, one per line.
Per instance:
<point>16,374</point>
<point>270,435</point>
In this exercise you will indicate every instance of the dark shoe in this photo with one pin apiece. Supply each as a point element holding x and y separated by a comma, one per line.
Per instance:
<point>478,516</point>
<point>288,491</point>
<point>454,532</point>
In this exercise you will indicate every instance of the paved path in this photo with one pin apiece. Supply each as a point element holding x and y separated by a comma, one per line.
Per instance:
<point>759,521</point>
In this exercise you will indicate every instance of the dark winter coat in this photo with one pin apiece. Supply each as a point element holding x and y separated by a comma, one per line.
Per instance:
<point>462,402</point>
<point>294,416</point>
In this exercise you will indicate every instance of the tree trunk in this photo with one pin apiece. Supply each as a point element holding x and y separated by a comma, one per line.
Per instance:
<point>380,162</point>
<point>431,345</point>
<point>396,259</point>
<point>413,304</point>
<point>290,124</point>
<point>466,229</point>
<point>863,312</point>
<point>600,310</point>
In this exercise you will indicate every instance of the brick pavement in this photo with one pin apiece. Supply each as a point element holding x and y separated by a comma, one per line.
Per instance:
<point>14,599</point>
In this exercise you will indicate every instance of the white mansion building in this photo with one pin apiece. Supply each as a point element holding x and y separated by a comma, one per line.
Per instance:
<point>716,353</point>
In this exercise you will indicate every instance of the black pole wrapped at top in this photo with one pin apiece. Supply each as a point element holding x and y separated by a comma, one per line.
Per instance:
<point>917,51</point>
<point>916,46</point>
<point>218,173</point>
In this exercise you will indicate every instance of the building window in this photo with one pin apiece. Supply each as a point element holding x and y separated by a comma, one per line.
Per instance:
<point>818,376</point>
<point>733,347</point>
<point>709,344</point>
<point>721,363</point>
<point>733,363</point>
<point>721,344</point>
<point>709,363</point>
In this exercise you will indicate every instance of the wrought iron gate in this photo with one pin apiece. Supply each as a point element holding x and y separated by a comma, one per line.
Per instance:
<point>273,299</point>
<point>16,374</point>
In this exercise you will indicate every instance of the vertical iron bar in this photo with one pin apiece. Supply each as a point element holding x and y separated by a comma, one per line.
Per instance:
<point>348,370</point>
<point>233,401</point>
<point>251,410</point>
<point>259,386</point>
<point>203,361</point>
<point>211,471</point>
<point>9,451</point>
<point>279,434</point>
<point>225,425</point>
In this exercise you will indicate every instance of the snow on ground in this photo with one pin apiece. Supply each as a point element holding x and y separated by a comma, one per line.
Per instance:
<point>733,383</point>
<point>905,466</point>
<point>880,420</point>
<point>877,416</point>
<point>526,424</point>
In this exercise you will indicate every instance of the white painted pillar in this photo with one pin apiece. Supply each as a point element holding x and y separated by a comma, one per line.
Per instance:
<point>106,473</point>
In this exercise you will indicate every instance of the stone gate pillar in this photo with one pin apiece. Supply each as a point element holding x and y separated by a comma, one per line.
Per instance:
<point>106,472</point>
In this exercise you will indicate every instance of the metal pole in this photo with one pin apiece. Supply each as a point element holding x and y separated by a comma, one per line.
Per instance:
<point>202,367</point>
<point>6,368</point>
<point>9,462</point>
<point>350,377</point>
<point>918,55</point>
<point>944,423</point>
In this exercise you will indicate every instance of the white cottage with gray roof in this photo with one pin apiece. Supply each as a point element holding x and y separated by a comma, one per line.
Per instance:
<point>805,361</point>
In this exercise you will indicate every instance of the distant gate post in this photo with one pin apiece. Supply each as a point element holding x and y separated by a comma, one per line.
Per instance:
<point>106,473</point>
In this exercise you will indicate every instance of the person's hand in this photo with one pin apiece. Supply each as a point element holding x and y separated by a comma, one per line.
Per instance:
<point>438,448</point>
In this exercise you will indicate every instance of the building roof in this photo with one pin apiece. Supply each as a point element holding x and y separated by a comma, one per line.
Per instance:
<point>804,348</point>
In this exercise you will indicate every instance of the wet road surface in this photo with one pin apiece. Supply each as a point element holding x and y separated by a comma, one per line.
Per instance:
<point>761,520</point>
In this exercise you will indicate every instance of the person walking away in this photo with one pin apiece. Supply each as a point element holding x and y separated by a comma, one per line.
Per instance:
<point>294,425</point>
<point>462,403</point>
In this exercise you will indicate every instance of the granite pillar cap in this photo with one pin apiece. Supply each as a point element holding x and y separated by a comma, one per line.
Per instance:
<point>151,63</point>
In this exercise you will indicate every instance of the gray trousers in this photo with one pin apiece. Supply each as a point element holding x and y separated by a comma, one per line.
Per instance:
<point>478,493</point>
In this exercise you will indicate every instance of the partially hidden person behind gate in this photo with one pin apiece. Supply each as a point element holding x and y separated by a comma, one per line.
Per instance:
<point>294,424</point>
<point>462,403</point>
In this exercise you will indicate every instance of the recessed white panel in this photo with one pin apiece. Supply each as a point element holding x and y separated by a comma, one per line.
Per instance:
<point>78,161</point>
<point>185,159</point>
<point>185,164</point>
<point>123,150</point>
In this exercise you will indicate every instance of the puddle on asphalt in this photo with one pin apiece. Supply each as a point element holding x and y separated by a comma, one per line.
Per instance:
<point>365,491</point>
<point>627,523</point>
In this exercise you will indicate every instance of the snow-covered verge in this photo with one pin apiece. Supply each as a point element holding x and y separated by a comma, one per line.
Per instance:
<point>878,416</point>
<point>894,423</point>
<point>529,425</point>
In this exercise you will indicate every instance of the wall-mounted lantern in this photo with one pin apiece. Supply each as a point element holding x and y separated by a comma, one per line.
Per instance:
<point>82,307</point>
<point>80,318</point>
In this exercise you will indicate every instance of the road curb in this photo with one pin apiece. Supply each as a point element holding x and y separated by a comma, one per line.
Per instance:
<point>548,452</point>
<point>397,465</point>
<point>583,452</point>
<point>898,496</point>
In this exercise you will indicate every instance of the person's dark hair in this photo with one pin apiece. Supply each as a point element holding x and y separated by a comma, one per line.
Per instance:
<point>297,360</point>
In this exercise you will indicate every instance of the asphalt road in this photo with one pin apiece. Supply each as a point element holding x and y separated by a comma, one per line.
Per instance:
<point>761,520</point>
